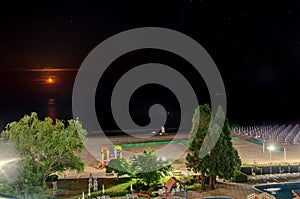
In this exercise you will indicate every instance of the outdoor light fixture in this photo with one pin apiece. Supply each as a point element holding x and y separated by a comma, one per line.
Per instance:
<point>271,148</point>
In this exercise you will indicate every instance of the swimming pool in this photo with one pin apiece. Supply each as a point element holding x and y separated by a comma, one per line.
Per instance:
<point>280,191</point>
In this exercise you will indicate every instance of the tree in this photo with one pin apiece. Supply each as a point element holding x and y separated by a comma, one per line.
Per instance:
<point>120,166</point>
<point>148,167</point>
<point>44,147</point>
<point>222,160</point>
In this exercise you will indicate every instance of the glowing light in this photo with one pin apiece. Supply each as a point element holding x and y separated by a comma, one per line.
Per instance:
<point>271,148</point>
<point>50,80</point>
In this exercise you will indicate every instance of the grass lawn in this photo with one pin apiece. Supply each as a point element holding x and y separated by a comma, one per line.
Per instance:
<point>74,188</point>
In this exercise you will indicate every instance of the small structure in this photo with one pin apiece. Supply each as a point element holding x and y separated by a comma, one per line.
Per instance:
<point>104,154</point>
<point>174,187</point>
<point>90,181</point>
<point>114,152</point>
<point>54,187</point>
<point>163,132</point>
<point>118,151</point>
<point>95,186</point>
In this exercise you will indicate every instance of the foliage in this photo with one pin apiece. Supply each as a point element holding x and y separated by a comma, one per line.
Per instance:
<point>120,166</point>
<point>194,186</point>
<point>52,178</point>
<point>240,177</point>
<point>149,168</point>
<point>44,147</point>
<point>221,159</point>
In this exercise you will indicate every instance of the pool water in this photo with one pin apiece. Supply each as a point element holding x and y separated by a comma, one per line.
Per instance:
<point>280,191</point>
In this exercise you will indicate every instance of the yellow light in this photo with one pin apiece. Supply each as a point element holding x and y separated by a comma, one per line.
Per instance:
<point>50,80</point>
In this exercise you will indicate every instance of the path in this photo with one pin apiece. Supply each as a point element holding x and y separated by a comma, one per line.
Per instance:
<point>234,190</point>
<point>86,176</point>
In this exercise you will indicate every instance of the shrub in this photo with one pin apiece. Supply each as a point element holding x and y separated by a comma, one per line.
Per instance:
<point>52,178</point>
<point>240,177</point>
<point>189,180</point>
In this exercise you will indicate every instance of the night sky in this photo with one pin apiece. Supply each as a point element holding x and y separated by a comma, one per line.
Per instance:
<point>255,45</point>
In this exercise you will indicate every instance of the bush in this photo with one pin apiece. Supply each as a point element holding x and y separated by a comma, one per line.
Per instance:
<point>52,178</point>
<point>240,177</point>
<point>189,180</point>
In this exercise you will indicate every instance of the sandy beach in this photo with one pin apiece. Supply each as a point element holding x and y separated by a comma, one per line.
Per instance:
<point>250,153</point>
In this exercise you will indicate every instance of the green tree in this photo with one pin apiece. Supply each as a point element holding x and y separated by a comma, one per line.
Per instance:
<point>44,147</point>
<point>149,168</point>
<point>222,160</point>
<point>120,166</point>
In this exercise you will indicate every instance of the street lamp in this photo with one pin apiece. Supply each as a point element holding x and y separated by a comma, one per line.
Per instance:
<point>271,148</point>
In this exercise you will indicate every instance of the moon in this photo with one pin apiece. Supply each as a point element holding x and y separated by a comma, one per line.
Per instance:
<point>50,80</point>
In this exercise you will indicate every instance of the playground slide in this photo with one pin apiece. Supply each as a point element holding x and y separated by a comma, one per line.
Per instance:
<point>103,166</point>
<point>141,195</point>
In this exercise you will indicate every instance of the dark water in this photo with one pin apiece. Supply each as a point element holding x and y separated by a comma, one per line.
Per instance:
<point>23,91</point>
<point>280,191</point>
<point>14,109</point>
<point>28,90</point>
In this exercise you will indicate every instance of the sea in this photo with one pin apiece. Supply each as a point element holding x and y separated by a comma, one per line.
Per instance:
<point>14,109</point>
<point>46,91</point>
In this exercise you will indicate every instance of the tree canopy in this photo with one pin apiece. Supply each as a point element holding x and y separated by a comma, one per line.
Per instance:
<point>148,167</point>
<point>44,147</point>
<point>120,166</point>
<point>223,159</point>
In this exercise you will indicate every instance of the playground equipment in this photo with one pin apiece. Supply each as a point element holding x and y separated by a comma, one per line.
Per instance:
<point>104,157</point>
<point>118,151</point>
<point>140,195</point>
<point>114,152</point>
<point>174,188</point>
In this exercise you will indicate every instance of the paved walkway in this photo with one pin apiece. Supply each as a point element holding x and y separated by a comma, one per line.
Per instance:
<point>86,176</point>
<point>233,190</point>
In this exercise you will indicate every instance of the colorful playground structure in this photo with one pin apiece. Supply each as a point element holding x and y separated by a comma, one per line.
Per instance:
<point>174,189</point>
<point>108,153</point>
